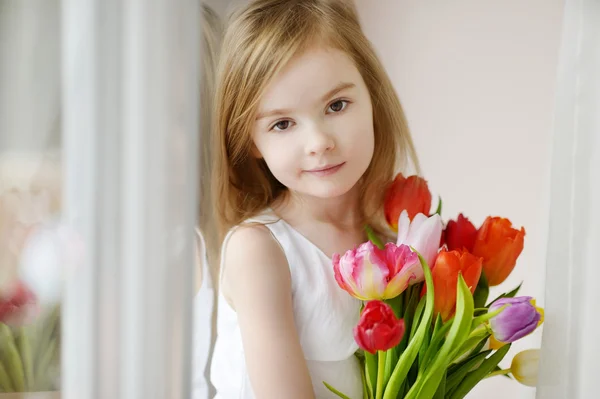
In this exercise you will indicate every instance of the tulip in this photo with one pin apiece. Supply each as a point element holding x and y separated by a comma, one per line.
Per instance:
<point>378,328</point>
<point>423,234</point>
<point>525,365</point>
<point>447,267</point>
<point>460,234</point>
<point>18,305</point>
<point>411,194</point>
<point>518,317</point>
<point>499,244</point>
<point>368,272</point>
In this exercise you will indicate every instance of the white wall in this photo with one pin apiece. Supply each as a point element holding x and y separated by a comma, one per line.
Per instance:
<point>477,80</point>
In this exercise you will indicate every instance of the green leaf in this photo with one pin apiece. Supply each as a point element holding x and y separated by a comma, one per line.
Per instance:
<point>396,305</point>
<point>438,324</point>
<point>24,347</point>
<point>441,391</point>
<point>411,299</point>
<point>439,207</point>
<point>408,356</point>
<point>11,358</point>
<point>480,296</point>
<point>373,237</point>
<point>456,376</point>
<point>417,317</point>
<point>425,345</point>
<point>478,374</point>
<point>510,294</point>
<point>45,362</point>
<point>428,382</point>
<point>474,340</point>
<point>435,344</point>
<point>5,382</point>
<point>335,391</point>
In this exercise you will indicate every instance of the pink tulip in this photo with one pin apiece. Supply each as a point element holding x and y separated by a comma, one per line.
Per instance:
<point>18,305</point>
<point>368,272</point>
<point>423,234</point>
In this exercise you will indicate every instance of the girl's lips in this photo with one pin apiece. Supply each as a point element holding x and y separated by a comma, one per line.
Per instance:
<point>327,170</point>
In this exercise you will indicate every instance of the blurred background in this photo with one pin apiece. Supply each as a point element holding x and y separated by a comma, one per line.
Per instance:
<point>103,108</point>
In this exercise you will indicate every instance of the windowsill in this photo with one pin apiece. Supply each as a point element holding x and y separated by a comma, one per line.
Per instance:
<point>31,395</point>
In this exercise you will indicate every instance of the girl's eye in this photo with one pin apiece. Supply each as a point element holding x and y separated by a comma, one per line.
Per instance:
<point>281,125</point>
<point>338,106</point>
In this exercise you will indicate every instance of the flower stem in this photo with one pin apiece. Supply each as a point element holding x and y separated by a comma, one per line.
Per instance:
<point>380,374</point>
<point>498,372</point>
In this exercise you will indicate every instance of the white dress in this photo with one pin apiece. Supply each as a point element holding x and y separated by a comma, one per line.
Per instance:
<point>324,315</point>
<point>203,328</point>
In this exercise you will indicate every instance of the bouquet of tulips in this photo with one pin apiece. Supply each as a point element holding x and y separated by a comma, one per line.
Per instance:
<point>29,342</point>
<point>427,329</point>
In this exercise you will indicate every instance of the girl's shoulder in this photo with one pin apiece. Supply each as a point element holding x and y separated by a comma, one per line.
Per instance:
<point>252,255</point>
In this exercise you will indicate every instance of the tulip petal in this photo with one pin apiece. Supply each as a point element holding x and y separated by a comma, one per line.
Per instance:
<point>525,367</point>
<point>415,225</point>
<point>426,239</point>
<point>403,227</point>
<point>370,272</point>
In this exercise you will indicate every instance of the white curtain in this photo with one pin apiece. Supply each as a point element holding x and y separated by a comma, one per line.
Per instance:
<point>570,344</point>
<point>130,91</point>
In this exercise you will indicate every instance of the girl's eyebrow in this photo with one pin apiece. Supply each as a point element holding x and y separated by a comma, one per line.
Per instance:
<point>341,86</point>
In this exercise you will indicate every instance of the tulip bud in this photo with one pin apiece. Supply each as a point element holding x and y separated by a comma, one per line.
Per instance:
<point>525,366</point>
<point>448,265</point>
<point>411,194</point>
<point>18,305</point>
<point>518,318</point>
<point>378,328</point>
<point>499,245</point>
<point>460,234</point>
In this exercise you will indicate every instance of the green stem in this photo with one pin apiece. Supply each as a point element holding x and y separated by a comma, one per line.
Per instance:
<point>498,372</point>
<point>380,373</point>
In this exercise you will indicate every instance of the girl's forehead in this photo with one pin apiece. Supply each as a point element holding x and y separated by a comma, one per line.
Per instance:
<point>310,75</point>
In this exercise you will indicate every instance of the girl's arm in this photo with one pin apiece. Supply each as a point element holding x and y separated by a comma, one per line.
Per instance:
<point>256,279</point>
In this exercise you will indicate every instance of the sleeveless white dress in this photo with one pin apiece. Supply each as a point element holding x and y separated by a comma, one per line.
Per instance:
<point>324,314</point>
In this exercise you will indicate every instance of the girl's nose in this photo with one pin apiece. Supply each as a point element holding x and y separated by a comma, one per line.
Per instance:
<point>319,142</point>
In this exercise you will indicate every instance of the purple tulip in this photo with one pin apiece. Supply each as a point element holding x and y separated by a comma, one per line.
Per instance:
<point>519,318</point>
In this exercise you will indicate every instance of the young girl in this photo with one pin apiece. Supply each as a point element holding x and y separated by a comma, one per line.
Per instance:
<point>309,132</point>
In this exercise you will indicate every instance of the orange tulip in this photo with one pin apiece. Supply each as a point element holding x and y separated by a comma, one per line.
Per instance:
<point>410,193</point>
<point>499,244</point>
<point>445,273</point>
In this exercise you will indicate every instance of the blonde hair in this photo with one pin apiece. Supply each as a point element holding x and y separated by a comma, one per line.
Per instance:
<point>211,38</point>
<point>260,40</point>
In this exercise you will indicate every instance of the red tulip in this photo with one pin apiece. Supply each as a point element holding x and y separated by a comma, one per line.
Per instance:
<point>378,328</point>
<point>18,305</point>
<point>460,234</point>
<point>499,244</point>
<point>410,193</point>
<point>448,265</point>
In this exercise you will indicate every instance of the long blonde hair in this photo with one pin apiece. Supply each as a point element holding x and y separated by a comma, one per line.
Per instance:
<point>211,38</point>
<point>259,41</point>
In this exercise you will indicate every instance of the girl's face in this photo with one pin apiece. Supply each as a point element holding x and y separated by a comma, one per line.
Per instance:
<point>314,127</point>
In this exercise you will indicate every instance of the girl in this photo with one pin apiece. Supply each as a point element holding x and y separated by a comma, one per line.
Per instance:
<point>308,134</point>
